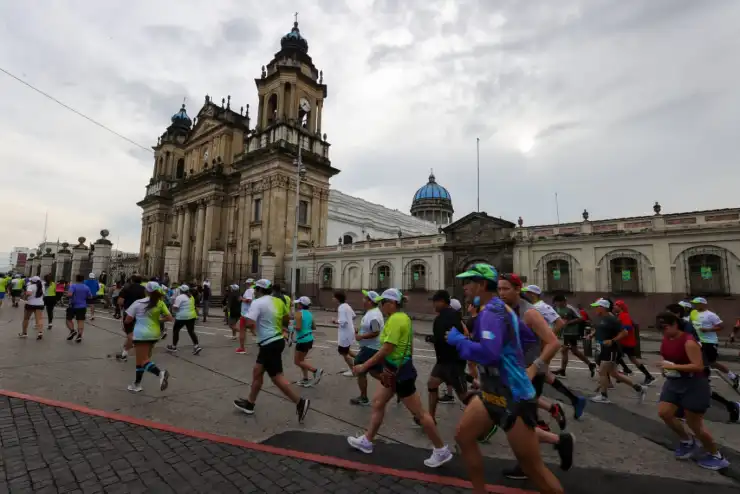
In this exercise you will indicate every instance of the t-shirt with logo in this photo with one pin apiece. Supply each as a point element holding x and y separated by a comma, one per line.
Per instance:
<point>184,308</point>
<point>79,295</point>
<point>705,319</point>
<point>267,312</point>
<point>372,322</point>
<point>146,327</point>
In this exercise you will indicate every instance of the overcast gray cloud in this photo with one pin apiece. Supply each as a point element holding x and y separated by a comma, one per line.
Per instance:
<point>598,100</point>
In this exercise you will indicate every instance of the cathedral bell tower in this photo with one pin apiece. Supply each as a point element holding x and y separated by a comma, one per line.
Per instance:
<point>291,93</point>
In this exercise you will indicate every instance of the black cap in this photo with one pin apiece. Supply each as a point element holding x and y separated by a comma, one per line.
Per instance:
<point>441,295</point>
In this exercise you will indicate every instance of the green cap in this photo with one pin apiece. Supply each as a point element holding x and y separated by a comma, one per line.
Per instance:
<point>480,271</point>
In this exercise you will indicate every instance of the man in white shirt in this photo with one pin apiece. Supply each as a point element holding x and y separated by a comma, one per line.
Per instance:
<point>707,324</point>
<point>346,331</point>
<point>246,299</point>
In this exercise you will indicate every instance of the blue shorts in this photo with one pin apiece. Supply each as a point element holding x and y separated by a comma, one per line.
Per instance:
<point>365,354</point>
<point>2,295</point>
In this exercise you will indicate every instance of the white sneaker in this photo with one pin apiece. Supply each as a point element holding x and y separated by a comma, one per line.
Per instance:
<point>348,373</point>
<point>134,388</point>
<point>361,443</point>
<point>600,399</point>
<point>642,395</point>
<point>439,457</point>
<point>164,377</point>
<point>317,376</point>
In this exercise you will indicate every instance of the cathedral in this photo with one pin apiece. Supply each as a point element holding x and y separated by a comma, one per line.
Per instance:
<point>227,186</point>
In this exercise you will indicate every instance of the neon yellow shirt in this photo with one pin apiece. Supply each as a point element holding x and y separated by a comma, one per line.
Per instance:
<point>398,332</point>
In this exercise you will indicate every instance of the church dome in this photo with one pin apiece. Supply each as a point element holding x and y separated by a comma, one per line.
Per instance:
<point>294,40</point>
<point>181,117</point>
<point>433,203</point>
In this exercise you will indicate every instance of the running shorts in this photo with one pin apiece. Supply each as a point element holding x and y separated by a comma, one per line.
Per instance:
<point>452,374</point>
<point>405,388</point>
<point>31,308</point>
<point>629,351</point>
<point>242,323</point>
<point>343,350</point>
<point>365,354</point>
<point>571,340</point>
<point>504,411</point>
<point>79,314</point>
<point>15,293</point>
<point>234,320</point>
<point>2,295</point>
<point>611,353</point>
<point>304,347</point>
<point>270,357</point>
<point>709,352</point>
<point>690,393</point>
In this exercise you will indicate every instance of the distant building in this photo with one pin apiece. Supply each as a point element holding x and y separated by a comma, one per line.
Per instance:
<point>18,257</point>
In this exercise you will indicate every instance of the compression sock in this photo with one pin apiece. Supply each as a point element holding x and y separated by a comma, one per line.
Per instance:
<point>563,389</point>
<point>644,370</point>
<point>151,367</point>
<point>139,373</point>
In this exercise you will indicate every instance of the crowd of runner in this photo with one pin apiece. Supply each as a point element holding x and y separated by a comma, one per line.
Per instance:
<point>496,360</point>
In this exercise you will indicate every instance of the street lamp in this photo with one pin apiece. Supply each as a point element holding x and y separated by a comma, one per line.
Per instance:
<point>300,174</point>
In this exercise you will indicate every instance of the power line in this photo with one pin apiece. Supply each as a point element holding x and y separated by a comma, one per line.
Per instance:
<point>102,126</point>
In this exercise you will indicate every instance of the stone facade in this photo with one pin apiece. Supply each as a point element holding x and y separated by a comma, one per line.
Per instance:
<point>648,261</point>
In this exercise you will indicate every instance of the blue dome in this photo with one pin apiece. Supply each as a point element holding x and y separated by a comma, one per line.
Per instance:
<point>294,40</point>
<point>432,190</point>
<point>181,116</point>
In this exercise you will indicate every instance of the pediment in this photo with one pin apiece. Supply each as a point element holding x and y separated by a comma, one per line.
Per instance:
<point>475,222</point>
<point>204,126</point>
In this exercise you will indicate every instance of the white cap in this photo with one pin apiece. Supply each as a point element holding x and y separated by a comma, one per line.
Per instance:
<point>532,289</point>
<point>235,287</point>
<point>17,275</point>
<point>392,294</point>
<point>183,288</point>
<point>152,286</point>
<point>34,279</point>
<point>250,281</point>
<point>264,284</point>
<point>92,276</point>
<point>372,295</point>
<point>303,301</point>
<point>455,304</point>
<point>685,304</point>
<point>699,300</point>
<point>602,302</point>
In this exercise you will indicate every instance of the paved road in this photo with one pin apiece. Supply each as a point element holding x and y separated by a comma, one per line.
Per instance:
<point>620,446</point>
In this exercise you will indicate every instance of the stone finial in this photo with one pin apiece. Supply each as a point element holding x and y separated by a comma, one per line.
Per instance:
<point>81,240</point>
<point>174,235</point>
<point>321,76</point>
<point>65,245</point>
<point>585,215</point>
<point>657,208</point>
<point>31,255</point>
<point>241,111</point>
<point>104,233</point>
<point>367,237</point>
<point>339,242</point>
<point>247,110</point>
<point>400,233</point>
<point>264,72</point>
<point>520,221</point>
<point>324,136</point>
<point>48,250</point>
<point>228,101</point>
<point>223,102</point>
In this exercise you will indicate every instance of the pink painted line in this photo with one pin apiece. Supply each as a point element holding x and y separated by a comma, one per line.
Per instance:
<point>300,455</point>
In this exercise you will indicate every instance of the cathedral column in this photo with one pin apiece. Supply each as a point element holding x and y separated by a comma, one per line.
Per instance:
<point>184,253</point>
<point>199,231</point>
<point>320,109</point>
<point>180,224</point>
<point>210,206</point>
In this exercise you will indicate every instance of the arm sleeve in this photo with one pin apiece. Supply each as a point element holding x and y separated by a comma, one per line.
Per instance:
<point>487,351</point>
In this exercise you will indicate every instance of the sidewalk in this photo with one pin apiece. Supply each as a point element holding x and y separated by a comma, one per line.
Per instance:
<point>47,449</point>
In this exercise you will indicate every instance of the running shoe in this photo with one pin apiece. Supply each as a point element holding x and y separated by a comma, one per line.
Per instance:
<point>685,450</point>
<point>648,380</point>
<point>486,436</point>
<point>23,335</point>
<point>134,387</point>
<point>304,383</point>
<point>197,349</point>
<point>360,400</point>
<point>579,408</point>
<point>515,473</point>
<point>72,335</point>
<point>736,381</point>
<point>446,400</point>
<point>565,450</point>
<point>39,336</point>
<point>164,335</point>
<point>172,348</point>
<point>317,376</point>
<point>348,373</point>
<point>600,399</point>
<point>361,443</point>
<point>558,414</point>
<point>735,413</point>
<point>642,394</point>
<point>439,457</point>
<point>543,426</point>
<point>241,351</point>
<point>244,406</point>
<point>301,409</point>
<point>592,368</point>
<point>560,373</point>
<point>164,377</point>
<point>122,356</point>
<point>78,339</point>
<point>713,462</point>
<point>48,327</point>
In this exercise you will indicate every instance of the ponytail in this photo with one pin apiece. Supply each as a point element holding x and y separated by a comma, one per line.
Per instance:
<point>154,298</point>
<point>39,289</point>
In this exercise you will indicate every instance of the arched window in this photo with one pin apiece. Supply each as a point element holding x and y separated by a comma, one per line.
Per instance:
<point>706,275</point>
<point>180,171</point>
<point>272,105</point>
<point>287,99</point>
<point>625,276</point>
<point>327,278</point>
<point>383,277</point>
<point>347,239</point>
<point>558,276</point>
<point>417,277</point>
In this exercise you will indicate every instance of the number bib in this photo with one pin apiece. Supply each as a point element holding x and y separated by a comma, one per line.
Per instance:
<point>494,399</point>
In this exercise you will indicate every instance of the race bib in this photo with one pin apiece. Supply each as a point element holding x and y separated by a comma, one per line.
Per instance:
<point>494,399</point>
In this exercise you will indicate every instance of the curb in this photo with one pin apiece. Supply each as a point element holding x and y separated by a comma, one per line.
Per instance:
<point>263,448</point>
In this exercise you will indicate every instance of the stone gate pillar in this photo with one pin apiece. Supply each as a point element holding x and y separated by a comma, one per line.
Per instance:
<point>64,262</point>
<point>172,260</point>
<point>215,271</point>
<point>79,253</point>
<point>267,265</point>
<point>102,255</point>
<point>28,268</point>
<point>46,262</point>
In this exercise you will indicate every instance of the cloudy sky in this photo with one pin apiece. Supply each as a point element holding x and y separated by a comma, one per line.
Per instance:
<point>613,104</point>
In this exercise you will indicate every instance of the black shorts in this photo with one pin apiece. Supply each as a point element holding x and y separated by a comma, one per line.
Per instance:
<point>629,351</point>
<point>504,411</point>
<point>78,314</point>
<point>571,340</point>
<point>343,350</point>
<point>452,374</point>
<point>304,347</point>
<point>31,308</point>
<point>406,388</point>
<point>233,321</point>
<point>270,357</point>
<point>366,354</point>
<point>611,353</point>
<point>709,353</point>
<point>145,342</point>
<point>691,393</point>
<point>15,293</point>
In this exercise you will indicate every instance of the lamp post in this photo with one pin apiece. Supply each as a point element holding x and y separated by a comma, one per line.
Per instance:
<point>300,174</point>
